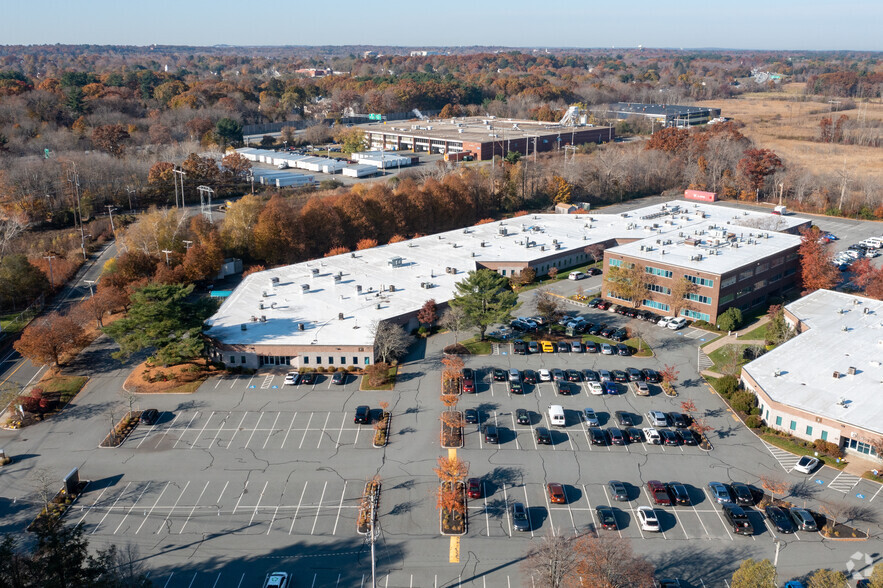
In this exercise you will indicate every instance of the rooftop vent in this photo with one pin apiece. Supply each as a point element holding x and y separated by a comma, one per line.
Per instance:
<point>392,288</point>
<point>395,262</point>
<point>304,288</point>
<point>337,279</point>
<point>358,288</point>
<point>315,271</point>
<point>300,326</point>
<point>263,318</point>
<point>377,306</point>
<point>851,371</point>
<point>243,326</point>
<point>274,280</point>
<point>340,316</point>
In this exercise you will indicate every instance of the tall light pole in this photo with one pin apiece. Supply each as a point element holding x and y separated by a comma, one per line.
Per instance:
<point>110,209</point>
<point>90,283</point>
<point>50,258</point>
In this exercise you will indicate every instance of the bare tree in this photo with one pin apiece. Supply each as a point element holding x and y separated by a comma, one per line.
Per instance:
<point>609,561</point>
<point>130,397</point>
<point>454,320</point>
<point>553,561</point>
<point>390,340</point>
<point>44,484</point>
<point>548,306</point>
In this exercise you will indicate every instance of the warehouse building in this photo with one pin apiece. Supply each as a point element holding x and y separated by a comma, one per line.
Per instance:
<point>321,312</point>
<point>732,263</point>
<point>825,382</point>
<point>667,115</point>
<point>483,137</point>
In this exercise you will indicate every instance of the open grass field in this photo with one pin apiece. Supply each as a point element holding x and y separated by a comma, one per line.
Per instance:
<point>787,122</point>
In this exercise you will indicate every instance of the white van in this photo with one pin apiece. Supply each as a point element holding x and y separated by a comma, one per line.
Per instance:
<point>556,415</point>
<point>576,276</point>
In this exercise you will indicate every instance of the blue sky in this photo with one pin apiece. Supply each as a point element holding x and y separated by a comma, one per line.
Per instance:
<point>743,24</point>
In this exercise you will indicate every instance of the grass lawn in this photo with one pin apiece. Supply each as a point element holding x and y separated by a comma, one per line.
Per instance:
<point>390,384</point>
<point>14,322</point>
<point>66,386</point>
<point>795,448</point>
<point>758,334</point>
<point>635,343</point>
<point>718,356</point>
<point>477,347</point>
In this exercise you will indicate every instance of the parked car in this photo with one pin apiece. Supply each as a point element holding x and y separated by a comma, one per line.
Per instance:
<point>677,323</point>
<point>678,493</point>
<point>606,517</point>
<point>606,349</point>
<point>624,418</point>
<point>651,376</point>
<point>598,436</point>
<point>608,331</point>
<point>803,520</point>
<point>687,436</point>
<point>573,376</point>
<point>619,335</point>
<point>277,580</point>
<point>520,520</point>
<point>806,464</point>
<point>623,350</point>
<point>544,436</point>
<point>658,493</point>
<point>522,416</point>
<point>603,305</point>
<point>663,322</point>
<point>647,518</point>
<point>576,347</point>
<point>591,375</point>
<point>291,379</point>
<point>500,375</point>
<point>563,346</point>
<point>556,493</point>
<point>590,417</point>
<point>670,437</point>
<point>640,388</point>
<point>533,347</point>
<point>635,375</point>
<point>657,418</point>
<point>652,435</point>
<point>610,387</point>
<point>576,276</point>
<point>515,387</point>
<point>491,434</point>
<point>592,347</point>
<point>719,493</point>
<point>547,347</point>
<point>678,419</point>
<point>468,380</point>
<point>618,491</point>
<point>339,378</point>
<point>595,388</point>
<point>519,347</point>
<point>742,494</point>
<point>545,375</point>
<point>605,376</point>
<point>149,416</point>
<point>780,518</point>
<point>596,329</point>
<point>634,435</point>
<point>470,415</point>
<point>473,488</point>
<point>557,374</point>
<point>616,436</point>
<point>363,415</point>
<point>594,302</point>
<point>529,376</point>
<point>620,376</point>
<point>308,379</point>
<point>738,519</point>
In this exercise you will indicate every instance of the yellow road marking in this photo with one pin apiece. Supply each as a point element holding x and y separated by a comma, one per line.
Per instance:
<point>452,453</point>
<point>22,362</point>
<point>455,550</point>
<point>735,418</point>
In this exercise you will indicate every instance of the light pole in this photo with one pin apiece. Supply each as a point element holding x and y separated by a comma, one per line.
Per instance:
<point>130,190</point>
<point>188,244</point>
<point>166,251</point>
<point>90,283</point>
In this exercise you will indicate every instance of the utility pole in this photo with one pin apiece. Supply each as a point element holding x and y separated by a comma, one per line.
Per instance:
<point>110,209</point>
<point>166,251</point>
<point>188,244</point>
<point>90,283</point>
<point>74,179</point>
<point>181,173</point>
<point>50,258</point>
<point>130,190</point>
<point>205,194</point>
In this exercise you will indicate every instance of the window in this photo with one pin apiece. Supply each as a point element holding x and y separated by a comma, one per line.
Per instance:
<point>861,447</point>
<point>809,430</point>
<point>660,289</point>
<point>616,262</point>
<point>658,272</point>
<point>792,425</point>
<point>612,295</point>
<point>766,415</point>
<point>790,271</point>
<point>367,360</point>
<point>746,274</point>
<point>242,359</point>
<point>727,298</point>
<point>306,360</point>
<point>355,360</point>
<point>762,267</point>
<point>656,305</point>
<point>700,281</point>
<point>778,421</point>
<point>330,360</point>
<point>342,360</point>
<point>744,291</point>
<point>698,298</point>
<point>776,277</point>
<point>504,272</point>
<point>759,284</point>
<point>696,315</point>
<point>232,359</point>
<point>318,359</point>
<point>824,435</point>
<point>728,281</point>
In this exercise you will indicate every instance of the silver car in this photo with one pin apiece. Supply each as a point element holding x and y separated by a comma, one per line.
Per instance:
<point>719,493</point>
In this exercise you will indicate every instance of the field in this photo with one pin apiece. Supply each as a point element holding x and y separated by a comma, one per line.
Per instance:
<point>786,122</point>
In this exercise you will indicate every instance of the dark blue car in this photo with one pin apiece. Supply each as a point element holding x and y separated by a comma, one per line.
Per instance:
<point>611,388</point>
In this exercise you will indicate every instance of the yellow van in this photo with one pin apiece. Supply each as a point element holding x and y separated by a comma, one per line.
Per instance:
<point>547,347</point>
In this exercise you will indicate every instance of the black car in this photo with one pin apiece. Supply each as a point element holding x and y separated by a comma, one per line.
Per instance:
<point>593,303</point>
<point>309,378</point>
<point>470,415</point>
<point>678,420</point>
<point>564,388</point>
<point>338,378</point>
<point>608,331</point>
<point>780,518</point>
<point>624,419</point>
<point>650,317</point>
<point>742,494</point>
<point>598,436</point>
<point>651,376</point>
<point>573,376</point>
<point>519,347</point>
<point>500,375</point>
<point>606,517</point>
<point>515,387</point>
<point>544,436</point>
<point>738,519</point>
<point>491,435</point>
<point>594,271</point>
<point>149,416</point>
<point>635,435</point>
<point>619,335</point>
<point>635,374</point>
<point>596,330</point>
<point>468,373</point>
<point>631,312</point>
<point>529,376</point>
<point>616,436</point>
<point>591,376</point>
<point>522,417</point>
<point>669,437</point>
<point>563,346</point>
<point>623,349</point>
<point>592,347</point>
<point>363,415</point>
<point>618,491</point>
<point>687,436</point>
<point>678,493</point>
<point>619,376</point>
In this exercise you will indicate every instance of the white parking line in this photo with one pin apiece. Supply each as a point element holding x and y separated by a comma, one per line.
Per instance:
<point>327,416</point>
<point>147,514</point>
<point>548,509</point>
<point>207,421</point>
<point>610,504</point>
<point>239,426</point>
<point>172,511</point>
<point>272,428</point>
<point>487,518</point>
<point>150,430</point>
<point>319,508</point>
<point>707,534</point>
<point>294,416</point>
<point>185,429</point>
<point>339,508</point>
<point>120,495</point>
<point>131,508</point>
<point>508,514</point>
<point>258,505</point>
<point>260,418</point>
<point>876,493</point>
<point>720,518</point>
<point>218,432</point>
<point>297,510</point>
<point>222,493</point>
<point>238,500</point>
<point>307,428</point>
<point>340,432</point>
<point>192,510</point>
<point>92,506</point>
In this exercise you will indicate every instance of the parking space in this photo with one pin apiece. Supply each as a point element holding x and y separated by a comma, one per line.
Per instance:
<point>252,430</point>
<point>275,381</point>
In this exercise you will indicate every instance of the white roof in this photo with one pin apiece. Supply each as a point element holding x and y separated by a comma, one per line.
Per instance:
<point>844,331</point>
<point>423,261</point>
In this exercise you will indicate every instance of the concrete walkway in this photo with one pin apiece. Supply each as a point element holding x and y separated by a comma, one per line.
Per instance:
<point>734,336</point>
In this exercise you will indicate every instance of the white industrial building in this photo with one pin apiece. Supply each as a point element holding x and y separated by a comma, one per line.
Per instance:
<point>320,312</point>
<point>826,382</point>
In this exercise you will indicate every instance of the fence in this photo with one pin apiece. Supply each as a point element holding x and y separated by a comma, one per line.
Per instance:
<point>17,323</point>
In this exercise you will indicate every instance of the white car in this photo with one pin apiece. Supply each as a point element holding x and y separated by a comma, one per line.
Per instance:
<point>652,435</point>
<point>663,322</point>
<point>591,417</point>
<point>657,418</point>
<point>596,388</point>
<point>677,323</point>
<point>576,276</point>
<point>276,580</point>
<point>806,464</point>
<point>647,518</point>
<point>545,376</point>
<point>291,379</point>
<point>606,349</point>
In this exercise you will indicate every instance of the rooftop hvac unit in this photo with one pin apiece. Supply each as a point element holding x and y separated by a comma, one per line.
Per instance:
<point>867,310</point>
<point>340,316</point>
<point>358,288</point>
<point>304,288</point>
<point>274,280</point>
<point>473,254</point>
<point>851,371</point>
<point>337,279</point>
<point>300,326</point>
<point>642,247</point>
<point>542,247</point>
<point>392,288</point>
<point>353,254</point>
<point>555,241</point>
<point>264,294</point>
<point>243,326</point>
<point>503,231</point>
<point>377,306</point>
<point>273,305</point>
<point>263,318</point>
<point>315,271</point>
<point>261,306</point>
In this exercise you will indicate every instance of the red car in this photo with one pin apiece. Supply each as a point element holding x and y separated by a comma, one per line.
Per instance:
<point>658,493</point>
<point>473,488</point>
<point>603,305</point>
<point>556,493</point>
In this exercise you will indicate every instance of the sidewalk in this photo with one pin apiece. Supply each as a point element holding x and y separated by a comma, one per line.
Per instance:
<point>734,336</point>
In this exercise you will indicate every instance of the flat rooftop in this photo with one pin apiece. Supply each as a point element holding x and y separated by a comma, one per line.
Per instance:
<point>844,331</point>
<point>474,129</point>
<point>659,109</point>
<point>314,299</point>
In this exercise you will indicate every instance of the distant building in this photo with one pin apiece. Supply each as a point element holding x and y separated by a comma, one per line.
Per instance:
<point>667,115</point>
<point>424,53</point>
<point>314,72</point>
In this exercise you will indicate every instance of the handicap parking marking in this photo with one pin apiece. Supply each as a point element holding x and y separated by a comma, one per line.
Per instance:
<point>844,482</point>
<point>785,459</point>
<point>268,379</point>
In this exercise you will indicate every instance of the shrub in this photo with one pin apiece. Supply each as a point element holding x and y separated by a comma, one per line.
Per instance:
<point>320,369</point>
<point>743,401</point>
<point>755,411</point>
<point>730,320</point>
<point>753,422</point>
<point>341,369</point>
<point>727,386</point>
<point>350,368</point>
<point>827,448</point>
<point>423,332</point>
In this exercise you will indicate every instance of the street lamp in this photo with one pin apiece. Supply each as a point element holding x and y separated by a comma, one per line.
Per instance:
<point>90,283</point>
<point>166,251</point>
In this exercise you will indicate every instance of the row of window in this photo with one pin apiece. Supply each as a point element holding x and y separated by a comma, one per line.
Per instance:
<point>286,360</point>
<point>615,262</point>
<point>860,447</point>
<point>271,359</point>
<point>698,298</point>
<point>793,425</point>
<point>656,305</point>
<point>613,295</point>
<point>658,272</point>
<point>700,281</point>
<point>306,360</point>
<point>658,288</point>
<point>696,315</point>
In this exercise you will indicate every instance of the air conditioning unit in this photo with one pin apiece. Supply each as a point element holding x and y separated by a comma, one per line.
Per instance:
<point>836,375</point>
<point>851,371</point>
